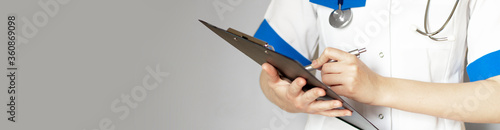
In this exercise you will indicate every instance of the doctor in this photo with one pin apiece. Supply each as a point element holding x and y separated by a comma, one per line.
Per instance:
<point>407,79</point>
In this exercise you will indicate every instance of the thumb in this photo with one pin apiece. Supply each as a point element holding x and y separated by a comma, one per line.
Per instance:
<point>271,71</point>
<point>331,54</point>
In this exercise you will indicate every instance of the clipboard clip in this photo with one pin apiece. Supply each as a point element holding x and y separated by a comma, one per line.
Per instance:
<point>250,38</point>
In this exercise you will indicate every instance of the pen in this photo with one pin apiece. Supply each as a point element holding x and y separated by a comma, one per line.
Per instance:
<point>355,52</point>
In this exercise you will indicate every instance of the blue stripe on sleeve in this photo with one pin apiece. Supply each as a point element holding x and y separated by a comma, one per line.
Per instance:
<point>267,34</point>
<point>485,67</point>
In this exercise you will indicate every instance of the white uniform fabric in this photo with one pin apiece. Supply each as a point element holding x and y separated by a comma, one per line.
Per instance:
<point>394,49</point>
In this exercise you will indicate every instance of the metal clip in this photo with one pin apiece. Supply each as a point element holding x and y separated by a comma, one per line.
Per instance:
<point>269,46</point>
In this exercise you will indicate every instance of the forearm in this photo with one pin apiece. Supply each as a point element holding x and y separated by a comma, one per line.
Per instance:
<point>470,102</point>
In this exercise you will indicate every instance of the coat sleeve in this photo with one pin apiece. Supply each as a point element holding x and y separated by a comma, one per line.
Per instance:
<point>290,27</point>
<point>483,39</point>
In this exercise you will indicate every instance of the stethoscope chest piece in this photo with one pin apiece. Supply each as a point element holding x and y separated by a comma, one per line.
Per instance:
<point>340,18</point>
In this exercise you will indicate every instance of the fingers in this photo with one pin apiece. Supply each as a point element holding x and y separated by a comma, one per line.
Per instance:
<point>318,106</point>
<point>326,108</point>
<point>272,72</point>
<point>312,94</point>
<point>333,68</point>
<point>291,98</point>
<point>329,108</point>
<point>296,87</point>
<point>335,113</point>
<point>335,73</point>
<point>331,54</point>
<point>334,79</point>
<point>338,83</point>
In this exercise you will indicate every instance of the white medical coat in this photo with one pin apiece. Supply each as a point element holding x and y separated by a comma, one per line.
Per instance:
<point>394,49</point>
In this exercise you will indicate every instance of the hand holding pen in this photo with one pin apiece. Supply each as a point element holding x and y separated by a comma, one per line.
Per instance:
<point>348,76</point>
<point>355,52</point>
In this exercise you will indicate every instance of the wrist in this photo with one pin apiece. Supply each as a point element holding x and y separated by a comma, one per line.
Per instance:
<point>382,91</point>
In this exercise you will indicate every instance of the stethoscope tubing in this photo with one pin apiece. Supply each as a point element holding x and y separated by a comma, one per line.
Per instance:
<point>426,23</point>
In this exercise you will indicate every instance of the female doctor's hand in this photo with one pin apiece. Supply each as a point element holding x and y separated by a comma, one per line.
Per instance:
<point>290,97</point>
<point>349,76</point>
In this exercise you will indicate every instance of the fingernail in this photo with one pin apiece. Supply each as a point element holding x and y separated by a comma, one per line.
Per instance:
<point>314,63</point>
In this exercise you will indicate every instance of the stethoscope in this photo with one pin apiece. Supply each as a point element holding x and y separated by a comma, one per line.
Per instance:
<point>341,18</point>
<point>426,24</point>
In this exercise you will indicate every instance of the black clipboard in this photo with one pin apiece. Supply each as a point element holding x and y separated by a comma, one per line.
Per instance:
<point>261,52</point>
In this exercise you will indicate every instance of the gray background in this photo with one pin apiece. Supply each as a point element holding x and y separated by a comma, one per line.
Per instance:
<point>92,52</point>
